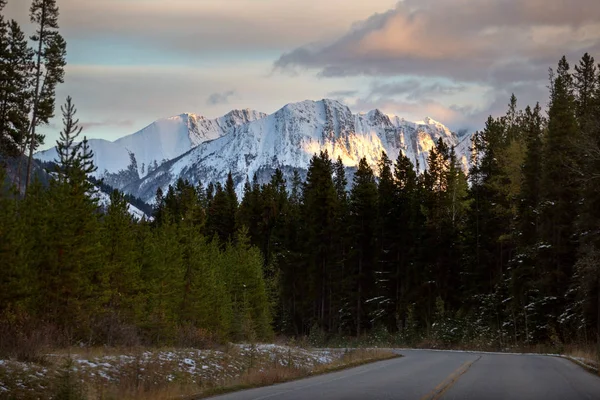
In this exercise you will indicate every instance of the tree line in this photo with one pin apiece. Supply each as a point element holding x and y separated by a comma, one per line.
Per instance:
<point>505,253</point>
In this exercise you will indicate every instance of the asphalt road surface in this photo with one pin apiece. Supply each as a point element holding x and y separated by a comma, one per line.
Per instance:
<point>431,375</point>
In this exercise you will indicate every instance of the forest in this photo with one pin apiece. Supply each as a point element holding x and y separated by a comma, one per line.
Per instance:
<point>506,253</point>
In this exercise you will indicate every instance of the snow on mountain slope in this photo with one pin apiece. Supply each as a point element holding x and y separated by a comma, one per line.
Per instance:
<point>288,139</point>
<point>104,202</point>
<point>159,142</point>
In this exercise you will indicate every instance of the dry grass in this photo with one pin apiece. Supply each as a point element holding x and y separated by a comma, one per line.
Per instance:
<point>128,374</point>
<point>588,356</point>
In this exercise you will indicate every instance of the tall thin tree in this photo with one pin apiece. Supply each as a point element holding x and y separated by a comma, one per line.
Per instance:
<point>49,70</point>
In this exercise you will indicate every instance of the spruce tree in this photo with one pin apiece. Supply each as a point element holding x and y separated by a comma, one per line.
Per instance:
<point>318,242</point>
<point>559,196</point>
<point>525,271</point>
<point>121,285</point>
<point>405,281</point>
<point>15,96</point>
<point>363,225</point>
<point>387,225</point>
<point>16,278</point>
<point>68,269</point>
<point>587,281</point>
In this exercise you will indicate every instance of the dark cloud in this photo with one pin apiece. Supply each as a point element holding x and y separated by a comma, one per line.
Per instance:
<point>220,98</point>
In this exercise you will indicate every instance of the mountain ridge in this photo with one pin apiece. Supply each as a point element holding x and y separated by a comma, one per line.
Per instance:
<point>288,138</point>
<point>160,141</point>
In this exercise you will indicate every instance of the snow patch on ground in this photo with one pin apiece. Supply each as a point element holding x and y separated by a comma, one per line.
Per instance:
<point>187,366</point>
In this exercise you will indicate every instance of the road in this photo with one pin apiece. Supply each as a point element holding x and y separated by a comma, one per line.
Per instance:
<point>432,375</point>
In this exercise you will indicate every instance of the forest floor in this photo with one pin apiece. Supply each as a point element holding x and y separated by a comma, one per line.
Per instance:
<point>108,373</point>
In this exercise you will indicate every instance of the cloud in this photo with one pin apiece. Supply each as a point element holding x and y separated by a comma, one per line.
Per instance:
<point>434,55</point>
<point>414,89</point>
<point>143,94</point>
<point>497,41</point>
<point>220,98</point>
<point>193,26</point>
<point>106,124</point>
<point>342,93</point>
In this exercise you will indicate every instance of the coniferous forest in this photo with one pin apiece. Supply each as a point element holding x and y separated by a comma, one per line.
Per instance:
<point>506,253</point>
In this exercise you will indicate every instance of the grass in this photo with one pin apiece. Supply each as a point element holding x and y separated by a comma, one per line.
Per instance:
<point>107,373</point>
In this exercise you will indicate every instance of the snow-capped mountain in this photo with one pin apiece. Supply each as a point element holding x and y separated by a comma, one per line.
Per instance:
<point>159,142</point>
<point>288,139</point>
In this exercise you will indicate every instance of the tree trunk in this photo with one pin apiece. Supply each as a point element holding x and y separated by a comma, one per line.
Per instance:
<point>36,101</point>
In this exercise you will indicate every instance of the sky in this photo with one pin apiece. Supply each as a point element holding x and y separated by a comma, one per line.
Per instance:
<point>131,62</point>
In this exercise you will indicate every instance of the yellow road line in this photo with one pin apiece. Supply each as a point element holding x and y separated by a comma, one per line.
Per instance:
<point>447,383</point>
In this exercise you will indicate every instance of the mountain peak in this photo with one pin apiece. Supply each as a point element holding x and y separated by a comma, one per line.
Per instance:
<point>429,121</point>
<point>288,139</point>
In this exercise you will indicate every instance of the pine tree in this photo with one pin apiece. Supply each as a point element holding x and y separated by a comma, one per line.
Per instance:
<point>204,300</point>
<point>290,275</point>
<point>221,213</point>
<point>162,274</point>
<point>363,225</point>
<point>248,291</point>
<point>339,286</point>
<point>50,61</point>
<point>525,272</point>
<point>408,251</point>
<point>387,225</point>
<point>121,285</point>
<point>66,147</point>
<point>559,191</point>
<point>16,278</point>
<point>15,96</point>
<point>68,267</point>
<point>586,85</point>
<point>318,242</point>
<point>587,149</point>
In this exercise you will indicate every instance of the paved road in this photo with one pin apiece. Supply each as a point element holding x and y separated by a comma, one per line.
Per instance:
<point>432,375</point>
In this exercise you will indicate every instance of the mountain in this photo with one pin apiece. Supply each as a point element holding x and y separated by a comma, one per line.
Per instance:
<point>288,139</point>
<point>132,157</point>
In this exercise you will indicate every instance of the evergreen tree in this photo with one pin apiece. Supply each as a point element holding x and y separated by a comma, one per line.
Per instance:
<point>221,213</point>
<point>525,272</point>
<point>248,291</point>
<point>162,274</point>
<point>318,240</point>
<point>405,281</point>
<point>121,285</point>
<point>16,278</point>
<point>559,196</point>
<point>290,275</point>
<point>66,147</point>
<point>363,225</point>
<point>15,95</point>
<point>387,225</point>
<point>68,267</point>
<point>587,148</point>
<point>50,61</point>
